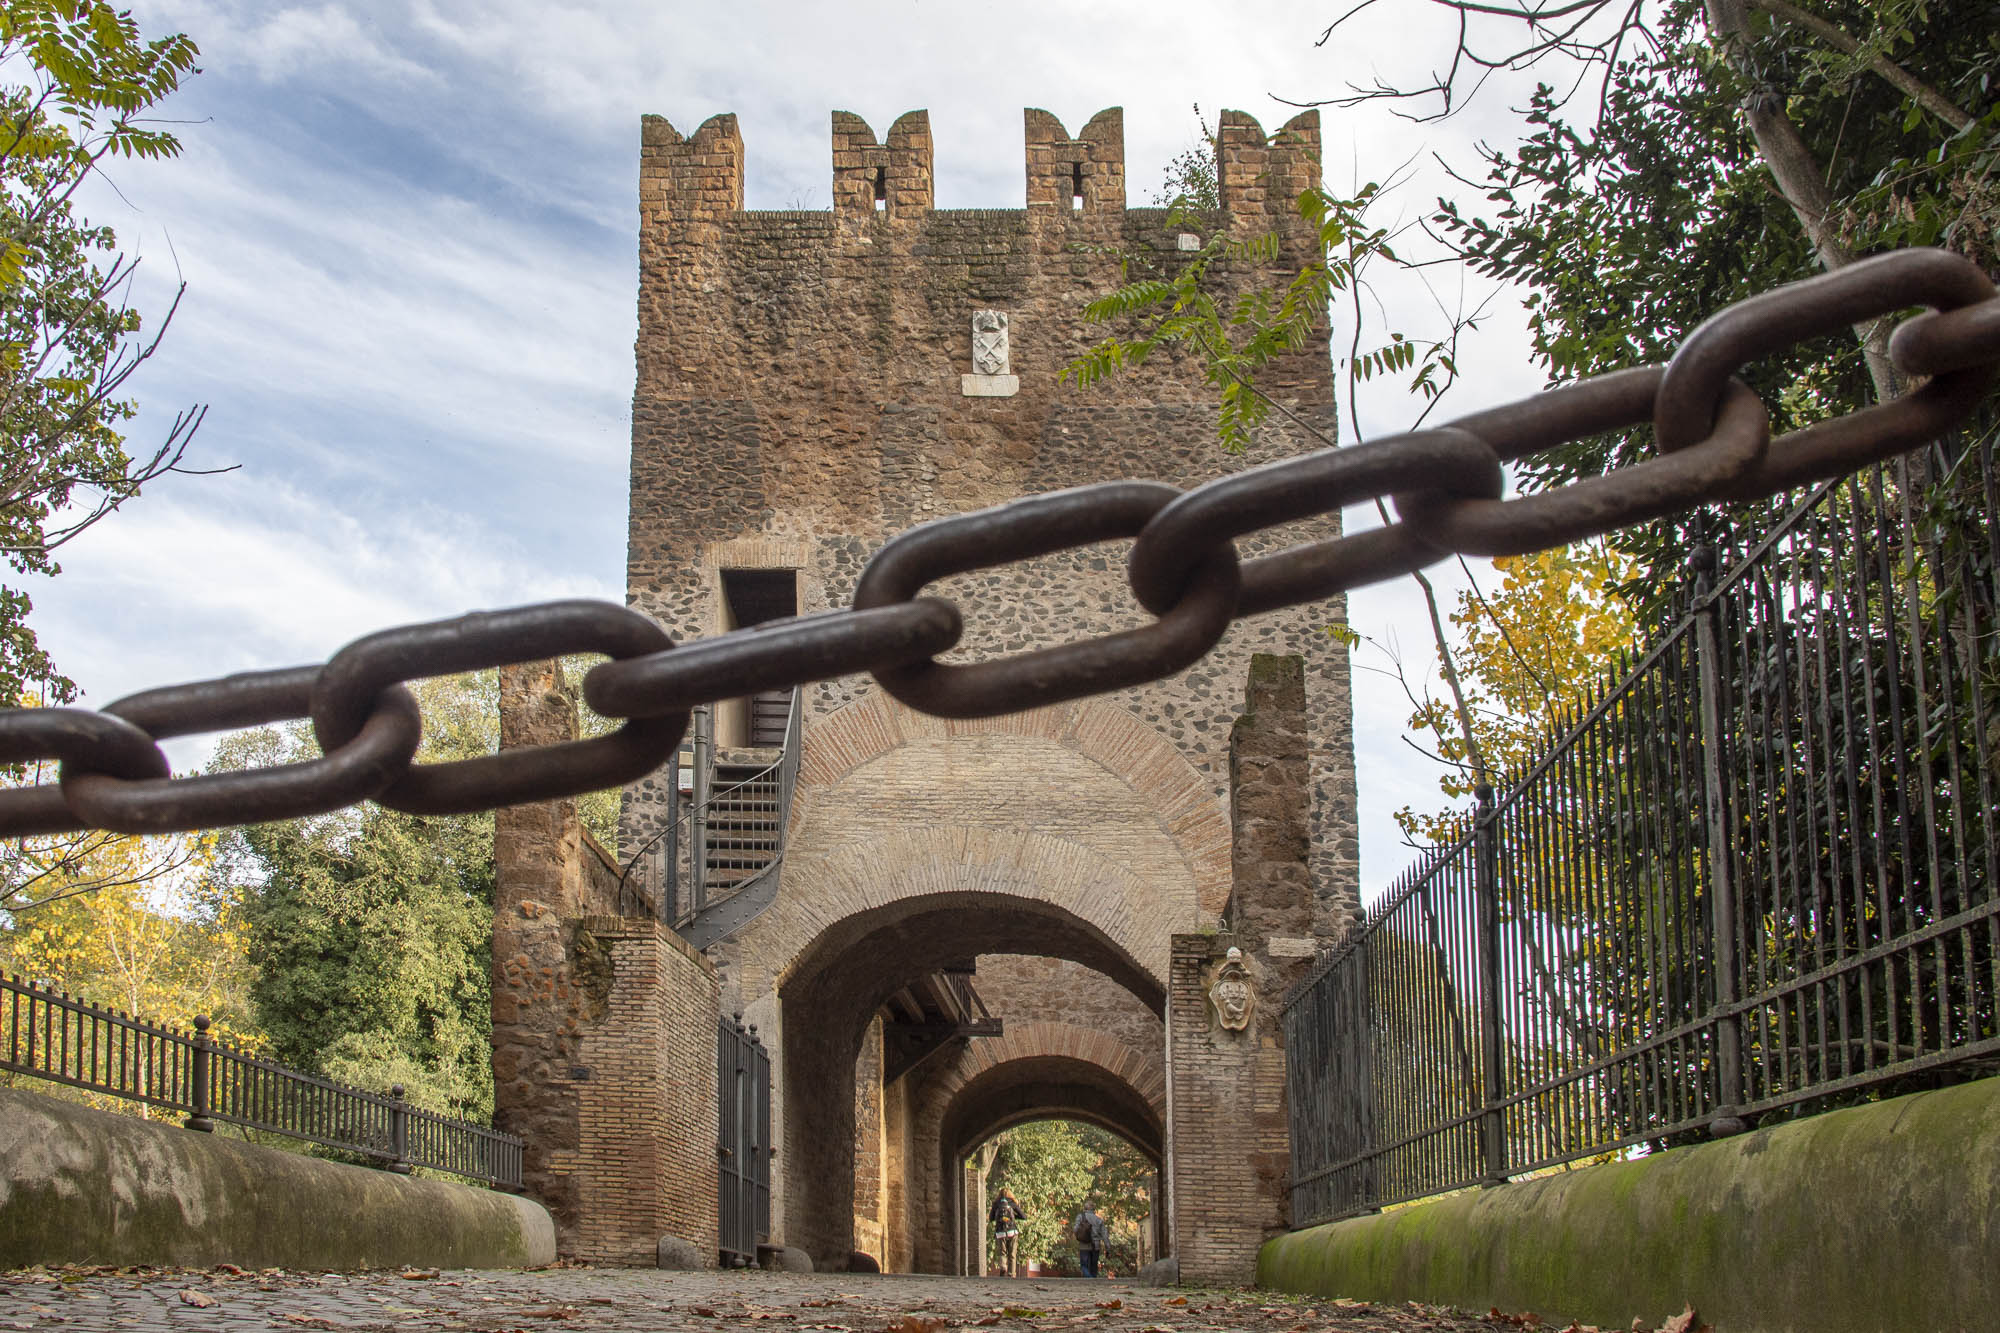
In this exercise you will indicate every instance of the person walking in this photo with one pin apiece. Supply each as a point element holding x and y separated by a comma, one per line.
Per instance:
<point>1005,1215</point>
<point>1091,1235</point>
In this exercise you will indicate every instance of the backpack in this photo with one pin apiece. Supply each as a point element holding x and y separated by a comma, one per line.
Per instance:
<point>1082,1231</point>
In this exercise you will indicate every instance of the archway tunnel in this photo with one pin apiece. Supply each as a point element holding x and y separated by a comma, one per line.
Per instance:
<point>915,1031</point>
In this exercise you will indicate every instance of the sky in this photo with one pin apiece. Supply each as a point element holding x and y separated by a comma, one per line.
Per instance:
<point>408,237</point>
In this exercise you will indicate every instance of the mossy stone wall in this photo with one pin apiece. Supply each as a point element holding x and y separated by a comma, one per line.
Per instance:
<point>1877,1217</point>
<point>84,1186</point>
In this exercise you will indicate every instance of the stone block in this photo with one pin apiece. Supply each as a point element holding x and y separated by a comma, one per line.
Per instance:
<point>680,1256</point>
<point>783,1259</point>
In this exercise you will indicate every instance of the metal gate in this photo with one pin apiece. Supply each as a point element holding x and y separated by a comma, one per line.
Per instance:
<point>743,1142</point>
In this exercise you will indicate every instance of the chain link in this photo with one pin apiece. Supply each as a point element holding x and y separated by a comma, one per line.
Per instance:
<point>1714,444</point>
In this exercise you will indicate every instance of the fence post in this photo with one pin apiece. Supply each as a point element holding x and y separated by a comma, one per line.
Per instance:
<point>200,1079</point>
<point>399,1132</point>
<point>1721,876</point>
<point>1486,890</point>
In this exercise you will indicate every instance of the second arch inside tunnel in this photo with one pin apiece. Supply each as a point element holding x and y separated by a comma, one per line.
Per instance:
<point>915,1032</point>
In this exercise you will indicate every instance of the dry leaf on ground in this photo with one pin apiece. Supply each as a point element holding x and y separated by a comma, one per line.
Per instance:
<point>910,1323</point>
<point>201,1300</point>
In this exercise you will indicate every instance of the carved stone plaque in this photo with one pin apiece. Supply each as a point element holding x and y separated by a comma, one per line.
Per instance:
<point>991,377</point>
<point>1232,995</point>
<point>989,342</point>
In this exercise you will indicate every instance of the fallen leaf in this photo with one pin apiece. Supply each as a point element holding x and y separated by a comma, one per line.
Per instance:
<point>1687,1321</point>
<point>552,1312</point>
<point>1111,1305</point>
<point>1182,1300</point>
<point>1021,1312</point>
<point>309,1321</point>
<point>910,1323</point>
<point>417,1274</point>
<point>706,1312</point>
<point>201,1300</point>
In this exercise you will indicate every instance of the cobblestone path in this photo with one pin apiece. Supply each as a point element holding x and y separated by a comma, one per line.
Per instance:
<point>557,1300</point>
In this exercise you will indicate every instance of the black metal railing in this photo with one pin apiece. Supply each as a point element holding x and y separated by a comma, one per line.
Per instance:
<point>49,1035</point>
<point>1754,874</point>
<point>723,847</point>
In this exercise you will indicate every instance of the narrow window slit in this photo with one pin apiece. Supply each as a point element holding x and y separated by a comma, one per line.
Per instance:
<point>881,189</point>
<point>1076,186</point>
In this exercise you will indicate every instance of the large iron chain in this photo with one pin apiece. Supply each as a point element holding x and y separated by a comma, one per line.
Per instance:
<point>1714,441</point>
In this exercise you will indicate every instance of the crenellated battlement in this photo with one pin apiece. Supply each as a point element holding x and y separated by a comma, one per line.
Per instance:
<point>685,180</point>
<point>696,180</point>
<point>892,178</point>
<point>1085,174</point>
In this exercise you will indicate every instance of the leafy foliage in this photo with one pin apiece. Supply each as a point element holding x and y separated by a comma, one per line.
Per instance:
<point>1529,651</point>
<point>165,946</point>
<point>1191,180</point>
<point>1239,328</point>
<point>370,929</point>
<point>79,82</point>
<point>1630,228</point>
<point>1053,1166</point>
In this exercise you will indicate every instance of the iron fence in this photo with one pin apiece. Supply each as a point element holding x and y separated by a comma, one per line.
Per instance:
<point>1753,875</point>
<point>57,1037</point>
<point>743,1142</point>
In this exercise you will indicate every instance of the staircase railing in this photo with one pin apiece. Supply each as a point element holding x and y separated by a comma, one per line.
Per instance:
<point>700,915</point>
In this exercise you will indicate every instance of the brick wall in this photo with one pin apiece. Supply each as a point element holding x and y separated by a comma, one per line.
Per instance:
<point>647,1112</point>
<point>603,1026</point>
<point>1229,1149</point>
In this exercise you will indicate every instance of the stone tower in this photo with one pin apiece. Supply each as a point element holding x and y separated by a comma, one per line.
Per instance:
<point>810,383</point>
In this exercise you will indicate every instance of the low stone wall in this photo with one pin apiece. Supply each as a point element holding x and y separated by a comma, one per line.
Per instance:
<point>1882,1216</point>
<point>84,1186</point>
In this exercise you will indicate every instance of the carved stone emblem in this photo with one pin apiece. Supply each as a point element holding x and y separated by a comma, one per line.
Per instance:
<point>991,377</point>
<point>989,342</point>
<point>1231,994</point>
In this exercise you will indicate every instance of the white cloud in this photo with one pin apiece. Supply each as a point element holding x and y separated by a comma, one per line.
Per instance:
<point>408,234</point>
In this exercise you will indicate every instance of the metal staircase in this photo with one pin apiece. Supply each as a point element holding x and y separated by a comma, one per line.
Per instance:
<point>725,844</point>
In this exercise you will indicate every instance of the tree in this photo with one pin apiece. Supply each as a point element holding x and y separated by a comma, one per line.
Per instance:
<point>1529,652</point>
<point>1053,1166</point>
<point>163,947</point>
<point>80,83</point>
<point>370,929</point>
<point>136,925</point>
<point>1191,182</point>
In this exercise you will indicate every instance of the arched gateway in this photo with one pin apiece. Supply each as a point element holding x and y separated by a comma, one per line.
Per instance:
<point>939,929</point>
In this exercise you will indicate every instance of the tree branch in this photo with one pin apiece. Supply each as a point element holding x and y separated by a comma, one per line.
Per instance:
<point>1912,87</point>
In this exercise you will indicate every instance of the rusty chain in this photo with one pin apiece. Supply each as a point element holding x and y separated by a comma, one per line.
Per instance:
<point>1714,441</point>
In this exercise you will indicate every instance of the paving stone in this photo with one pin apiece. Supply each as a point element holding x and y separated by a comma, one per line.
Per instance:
<point>639,1300</point>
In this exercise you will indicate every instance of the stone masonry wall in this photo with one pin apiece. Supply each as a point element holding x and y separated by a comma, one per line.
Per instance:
<point>604,1027</point>
<point>798,400</point>
<point>805,389</point>
<point>551,982</point>
<point>1229,1157</point>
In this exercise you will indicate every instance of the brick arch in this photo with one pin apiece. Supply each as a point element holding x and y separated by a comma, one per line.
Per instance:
<point>1181,881</point>
<point>970,867</point>
<point>1146,1073</point>
<point>1034,1071</point>
<point>1189,807</point>
<point>1075,831</point>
